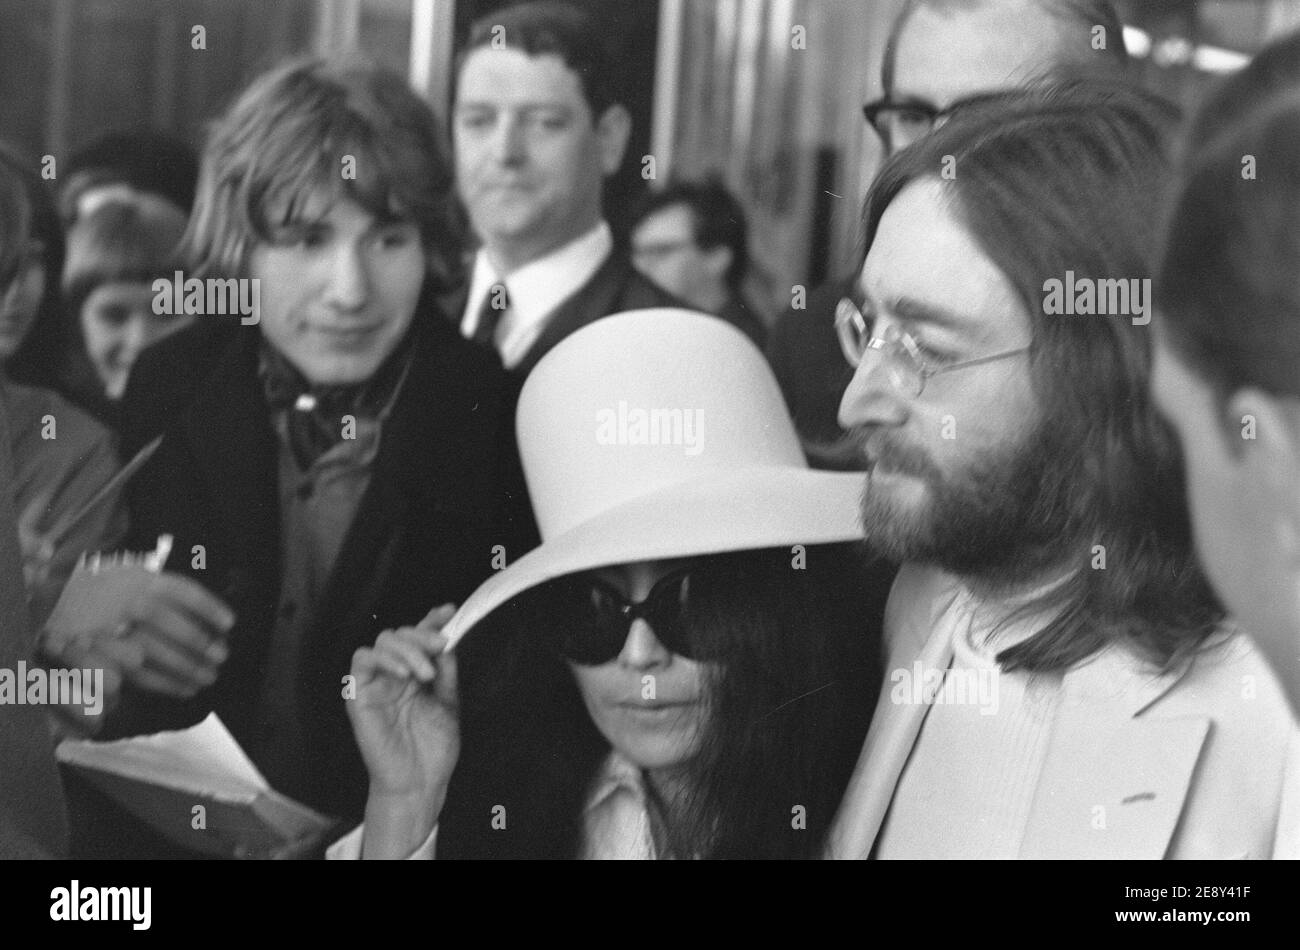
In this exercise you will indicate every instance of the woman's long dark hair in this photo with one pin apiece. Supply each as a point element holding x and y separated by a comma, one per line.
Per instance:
<point>39,359</point>
<point>789,709</point>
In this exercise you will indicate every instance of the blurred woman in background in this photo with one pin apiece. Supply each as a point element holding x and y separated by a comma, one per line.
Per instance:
<point>115,253</point>
<point>62,456</point>
<point>33,344</point>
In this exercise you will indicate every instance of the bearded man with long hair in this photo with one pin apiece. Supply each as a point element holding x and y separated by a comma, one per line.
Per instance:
<point>1061,680</point>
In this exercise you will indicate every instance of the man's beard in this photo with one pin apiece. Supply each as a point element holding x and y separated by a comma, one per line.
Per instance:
<point>1007,517</point>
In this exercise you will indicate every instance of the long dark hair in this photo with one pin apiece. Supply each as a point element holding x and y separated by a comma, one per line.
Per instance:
<point>1067,178</point>
<point>39,359</point>
<point>789,710</point>
<point>1229,296</point>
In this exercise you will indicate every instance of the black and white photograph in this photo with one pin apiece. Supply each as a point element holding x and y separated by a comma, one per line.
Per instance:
<point>687,430</point>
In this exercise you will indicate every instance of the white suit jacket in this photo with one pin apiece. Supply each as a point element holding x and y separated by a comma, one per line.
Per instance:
<point>1203,762</point>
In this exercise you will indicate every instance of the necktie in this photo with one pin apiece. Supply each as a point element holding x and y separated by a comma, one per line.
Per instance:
<point>314,414</point>
<point>490,312</point>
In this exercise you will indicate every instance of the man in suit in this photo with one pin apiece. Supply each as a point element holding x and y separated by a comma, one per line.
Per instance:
<point>1061,681</point>
<point>939,54</point>
<point>537,128</point>
<point>340,465</point>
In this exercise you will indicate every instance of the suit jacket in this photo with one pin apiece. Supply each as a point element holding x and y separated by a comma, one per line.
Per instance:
<point>444,489</point>
<point>804,350</point>
<point>1200,762</point>
<point>743,315</point>
<point>615,287</point>
<point>32,819</point>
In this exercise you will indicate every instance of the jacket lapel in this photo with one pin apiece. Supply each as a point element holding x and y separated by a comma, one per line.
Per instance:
<point>595,299</point>
<point>230,435</point>
<point>919,645</point>
<point>451,305</point>
<point>417,455</point>
<point>1116,776</point>
<point>365,558</point>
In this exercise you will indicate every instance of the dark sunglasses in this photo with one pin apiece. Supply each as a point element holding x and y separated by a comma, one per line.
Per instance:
<point>593,618</point>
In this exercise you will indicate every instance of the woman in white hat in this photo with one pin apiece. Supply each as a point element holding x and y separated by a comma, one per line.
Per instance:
<point>684,668</point>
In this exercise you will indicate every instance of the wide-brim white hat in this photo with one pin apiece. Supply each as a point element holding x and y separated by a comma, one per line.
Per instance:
<point>654,435</point>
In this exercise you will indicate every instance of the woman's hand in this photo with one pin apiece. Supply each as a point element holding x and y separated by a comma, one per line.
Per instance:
<point>405,716</point>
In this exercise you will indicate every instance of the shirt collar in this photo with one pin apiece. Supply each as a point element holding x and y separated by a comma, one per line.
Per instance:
<point>616,773</point>
<point>616,821</point>
<point>537,288</point>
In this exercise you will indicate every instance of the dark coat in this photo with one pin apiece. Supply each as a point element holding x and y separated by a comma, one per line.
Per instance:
<point>804,350</point>
<point>445,488</point>
<point>743,315</point>
<point>32,819</point>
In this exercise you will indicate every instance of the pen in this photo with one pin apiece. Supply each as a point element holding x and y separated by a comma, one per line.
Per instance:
<point>61,530</point>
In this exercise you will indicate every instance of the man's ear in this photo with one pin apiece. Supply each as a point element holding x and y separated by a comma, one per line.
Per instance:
<point>612,132</point>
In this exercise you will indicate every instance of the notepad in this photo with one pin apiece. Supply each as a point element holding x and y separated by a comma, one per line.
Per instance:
<point>198,789</point>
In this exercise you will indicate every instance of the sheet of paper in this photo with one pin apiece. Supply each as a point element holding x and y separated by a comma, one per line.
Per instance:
<point>202,759</point>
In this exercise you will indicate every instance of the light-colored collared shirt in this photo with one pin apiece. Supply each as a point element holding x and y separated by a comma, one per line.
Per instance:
<point>616,820</point>
<point>534,290</point>
<point>616,825</point>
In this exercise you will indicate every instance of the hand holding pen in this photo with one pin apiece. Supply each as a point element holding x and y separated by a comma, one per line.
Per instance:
<point>165,632</point>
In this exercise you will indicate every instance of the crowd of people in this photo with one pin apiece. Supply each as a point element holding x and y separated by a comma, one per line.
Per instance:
<point>492,537</point>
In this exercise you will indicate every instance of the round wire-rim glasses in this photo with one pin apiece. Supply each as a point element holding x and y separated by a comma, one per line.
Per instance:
<point>907,368</point>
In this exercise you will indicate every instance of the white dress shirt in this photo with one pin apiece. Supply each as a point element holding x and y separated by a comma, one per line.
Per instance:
<point>534,290</point>
<point>616,822</point>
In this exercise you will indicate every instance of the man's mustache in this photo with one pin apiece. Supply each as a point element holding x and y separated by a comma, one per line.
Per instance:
<point>886,450</point>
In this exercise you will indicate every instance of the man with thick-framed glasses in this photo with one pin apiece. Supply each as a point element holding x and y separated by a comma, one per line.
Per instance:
<point>941,53</point>
<point>941,56</point>
<point>899,124</point>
